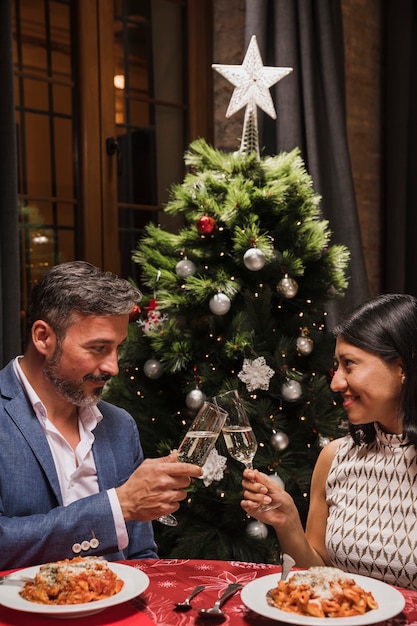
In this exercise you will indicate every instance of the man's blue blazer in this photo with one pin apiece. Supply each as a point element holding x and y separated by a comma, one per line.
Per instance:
<point>35,527</point>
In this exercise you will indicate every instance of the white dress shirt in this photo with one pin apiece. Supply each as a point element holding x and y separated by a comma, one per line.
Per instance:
<point>76,470</point>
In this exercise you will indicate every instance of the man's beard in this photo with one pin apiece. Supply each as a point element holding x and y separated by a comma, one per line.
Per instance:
<point>70,389</point>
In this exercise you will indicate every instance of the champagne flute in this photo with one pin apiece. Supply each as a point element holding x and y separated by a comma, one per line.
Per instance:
<point>238,434</point>
<point>237,431</point>
<point>198,442</point>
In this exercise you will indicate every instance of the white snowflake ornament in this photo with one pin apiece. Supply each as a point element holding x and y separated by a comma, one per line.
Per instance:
<point>256,374</point>
<point>213,468</point>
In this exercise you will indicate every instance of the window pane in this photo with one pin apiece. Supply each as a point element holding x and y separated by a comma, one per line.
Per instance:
<point>150,108</point>
<point>62,95</point>
<point>38,155</point>
<point>36,93</point>
<point>64,177</point>
<point>46,151</point>
<point>59,19</point>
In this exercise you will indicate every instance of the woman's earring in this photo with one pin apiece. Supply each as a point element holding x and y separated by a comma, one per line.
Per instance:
<point>402,378</point>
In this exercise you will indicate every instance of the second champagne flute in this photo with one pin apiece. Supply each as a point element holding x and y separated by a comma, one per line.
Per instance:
<point>238,434</point>
<point>198,442</point>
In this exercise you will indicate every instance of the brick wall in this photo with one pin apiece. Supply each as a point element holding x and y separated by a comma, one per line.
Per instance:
<point>363,45</point>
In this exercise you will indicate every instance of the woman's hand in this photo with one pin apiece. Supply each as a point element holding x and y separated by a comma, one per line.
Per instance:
<point>260,489</point>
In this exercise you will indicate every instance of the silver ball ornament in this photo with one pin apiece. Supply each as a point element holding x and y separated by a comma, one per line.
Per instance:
<point>279,441</point>
<point>291,390</point>
<point>254,259</point>
<point>278,480</point>
<point>304,345</point>
<point>194,399</point>
<point>287,287</point>
<point>257,529</point>
<point>277,257</point>
<point>185,268</point>
<point>219,304</point>
<point>153,369</point>
<point>323,441</point>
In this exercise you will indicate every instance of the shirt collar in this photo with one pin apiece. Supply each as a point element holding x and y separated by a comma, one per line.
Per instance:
<point>89,415</point>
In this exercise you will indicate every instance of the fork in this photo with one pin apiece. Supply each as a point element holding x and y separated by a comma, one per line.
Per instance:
<point>15,579</point>
<point>287,564</point>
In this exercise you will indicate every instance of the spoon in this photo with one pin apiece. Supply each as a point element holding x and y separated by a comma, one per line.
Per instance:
<point>185,606</point>
<point>215,610</point>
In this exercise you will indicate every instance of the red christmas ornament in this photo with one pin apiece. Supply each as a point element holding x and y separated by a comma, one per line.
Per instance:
<point>152,305</point>
<point>134,313</point>
<point>206,225</point>
<point>330,374</point>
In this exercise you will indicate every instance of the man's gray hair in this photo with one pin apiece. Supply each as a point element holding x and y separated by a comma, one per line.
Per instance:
<point>78,287</point>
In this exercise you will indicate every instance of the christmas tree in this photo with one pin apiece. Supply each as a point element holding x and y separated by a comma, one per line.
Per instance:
<point>236,300</point>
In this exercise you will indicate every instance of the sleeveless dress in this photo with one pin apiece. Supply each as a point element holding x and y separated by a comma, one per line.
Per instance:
<point>371,492</point>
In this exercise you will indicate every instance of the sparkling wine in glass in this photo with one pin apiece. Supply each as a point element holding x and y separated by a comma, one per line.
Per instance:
<point>241,444</point>
<point>237,431</point>
<point>199,441</point>
<point>238,435</point>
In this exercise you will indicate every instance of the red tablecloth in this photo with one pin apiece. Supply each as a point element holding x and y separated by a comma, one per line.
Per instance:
<point>172,580</point>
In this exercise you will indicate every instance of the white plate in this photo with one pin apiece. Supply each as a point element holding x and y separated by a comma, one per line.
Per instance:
<point>135,583</point>
<point>390,602</point>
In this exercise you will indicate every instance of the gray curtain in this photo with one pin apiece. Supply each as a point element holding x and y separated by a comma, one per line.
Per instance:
<point>400,139</point>
<point>307,35</point>
<point>10,343</point>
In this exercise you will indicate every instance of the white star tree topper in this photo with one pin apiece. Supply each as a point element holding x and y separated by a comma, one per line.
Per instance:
<point>252,81</point>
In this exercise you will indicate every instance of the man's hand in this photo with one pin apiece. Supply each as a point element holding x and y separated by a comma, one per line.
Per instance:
<point>156,488</point>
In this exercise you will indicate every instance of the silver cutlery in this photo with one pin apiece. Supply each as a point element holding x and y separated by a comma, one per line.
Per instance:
<point>185,605</point>
<point>215,610</point>
<point>287,564</point>
<point>15,579</point>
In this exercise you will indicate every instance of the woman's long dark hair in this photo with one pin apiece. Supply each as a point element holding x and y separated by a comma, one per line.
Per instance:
<point>387,326</point>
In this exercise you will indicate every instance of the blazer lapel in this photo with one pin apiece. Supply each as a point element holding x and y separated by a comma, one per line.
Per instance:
<point>104,459</point>
<point>21,412</point>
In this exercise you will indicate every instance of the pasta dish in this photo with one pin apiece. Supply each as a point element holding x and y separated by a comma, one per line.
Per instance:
<point>72,581</point>
<point>321,592</point>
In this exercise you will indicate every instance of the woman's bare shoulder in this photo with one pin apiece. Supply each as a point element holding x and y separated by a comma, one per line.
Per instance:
<point>327,455</point>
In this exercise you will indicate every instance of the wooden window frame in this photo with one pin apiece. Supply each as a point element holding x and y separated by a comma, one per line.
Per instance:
<point>98,172</point>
